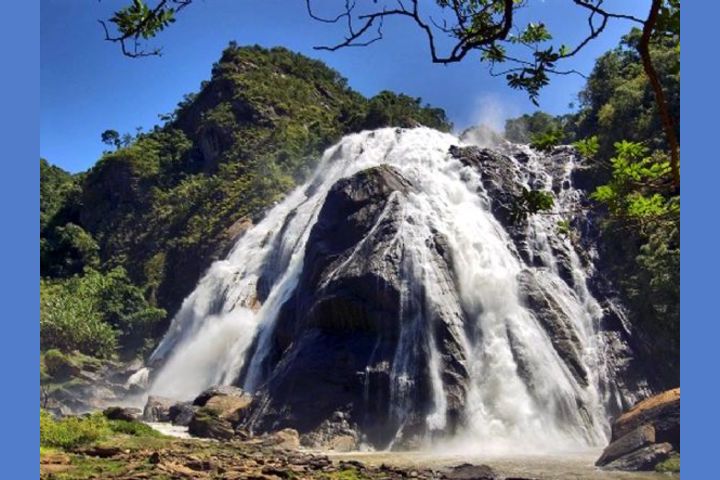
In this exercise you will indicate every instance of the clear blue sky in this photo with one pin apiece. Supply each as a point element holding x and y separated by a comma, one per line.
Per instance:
<point>87,86</point>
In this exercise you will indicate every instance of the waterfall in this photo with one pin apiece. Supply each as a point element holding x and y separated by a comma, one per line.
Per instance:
<point>520,394</point>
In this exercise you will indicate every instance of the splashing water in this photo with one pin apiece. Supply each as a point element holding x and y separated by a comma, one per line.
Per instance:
<point>521,393</point>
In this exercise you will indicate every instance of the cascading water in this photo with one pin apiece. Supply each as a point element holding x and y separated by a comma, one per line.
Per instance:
<point>520,390</point>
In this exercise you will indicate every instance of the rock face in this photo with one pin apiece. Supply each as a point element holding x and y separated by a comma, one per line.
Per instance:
<point>336,337</point>
<point>217,411</point>
<point>645,435</point>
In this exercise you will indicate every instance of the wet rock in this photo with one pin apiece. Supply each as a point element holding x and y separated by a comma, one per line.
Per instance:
<point>182,413</point>
<point>157,409</point>
<point>343,443</point>
<point>498,178</point>
<point>467,471</point>
<point>101,451</point>
<point>286,439</point>
<point>631,441</point>
<point>207,424</point>
<point>645,435</point>
<point>128,414</point>
<point>337,335</point>
<point>335,433</point>
<point>662,411</point>
<point>217,391</point>
<point>643,459</point>
<point>553,319</point>
<point>229,407</point>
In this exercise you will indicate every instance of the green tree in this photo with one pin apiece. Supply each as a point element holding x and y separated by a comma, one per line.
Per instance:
<point>111,138</point>
<point>95,314</point>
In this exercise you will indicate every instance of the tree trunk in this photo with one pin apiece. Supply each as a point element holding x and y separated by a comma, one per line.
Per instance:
<point>661,101</point>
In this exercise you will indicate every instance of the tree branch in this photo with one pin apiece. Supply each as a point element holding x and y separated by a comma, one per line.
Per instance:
<point>660,99</point>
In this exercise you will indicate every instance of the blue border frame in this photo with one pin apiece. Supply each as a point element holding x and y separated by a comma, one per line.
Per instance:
<point>19,126</point>
<point>699,287</point>
<point>19,198</point>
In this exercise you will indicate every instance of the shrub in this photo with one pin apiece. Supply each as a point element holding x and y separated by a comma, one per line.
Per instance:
<point>136,429</point>
<point>69,321</point>
<point>94,313</point>
<point>71,432</point>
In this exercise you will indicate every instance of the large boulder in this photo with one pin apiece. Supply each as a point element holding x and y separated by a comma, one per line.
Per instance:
<point>207,423</point>
<point>337,335</point>
<point>467,471</point>
<point>285,439</point>
<point>157,409</point>
<point>645,435</point>
<point>216,391</point>
<point>182,413</point>
<point>217,411</point>
<point>129,414</point>
<point>662,411</point>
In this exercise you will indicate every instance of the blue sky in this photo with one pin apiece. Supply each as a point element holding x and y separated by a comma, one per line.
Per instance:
<point>87,86</point>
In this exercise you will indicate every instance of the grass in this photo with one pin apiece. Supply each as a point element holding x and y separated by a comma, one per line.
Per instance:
<point>72,432</point>
<point>345,474</point>
<point>671,465</point>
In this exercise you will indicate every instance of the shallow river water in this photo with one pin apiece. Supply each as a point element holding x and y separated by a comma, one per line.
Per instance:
<point>566,466</point>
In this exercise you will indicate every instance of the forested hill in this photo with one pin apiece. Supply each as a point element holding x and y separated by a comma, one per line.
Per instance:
<point>123,243</point>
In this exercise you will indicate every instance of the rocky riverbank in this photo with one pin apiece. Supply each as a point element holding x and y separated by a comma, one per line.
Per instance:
<point>268,457</point>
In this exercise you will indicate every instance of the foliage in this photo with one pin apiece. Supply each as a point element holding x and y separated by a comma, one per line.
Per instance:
<point>111,138</point>
<point>547,140</point>
<point>634,189</point>
<point>587,147</point>
<point>71,432</point>
<point>138,21</point>
<point>617,102</point>
<point>671,465</point>
<point>642,239</point>
<point>56,188</point>
<point>94,313</point>
<point>136,429</point>
<point>490,29</point>
<point>390,109</point>
<point>530,202</point>
<point>521,129</point>
<point>69,321</point>
<point>67,250</point>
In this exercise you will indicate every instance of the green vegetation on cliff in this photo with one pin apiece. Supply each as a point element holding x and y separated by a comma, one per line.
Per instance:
<point>151,216</point>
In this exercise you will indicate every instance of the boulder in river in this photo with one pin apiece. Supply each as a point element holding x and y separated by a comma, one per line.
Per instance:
<point>216,391</point>
<point>208,424</point>
<point>129,414</point>
<point>467,471</point>
<point>157,409</point>
<point>645,435</point>
<point>217,411</point>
